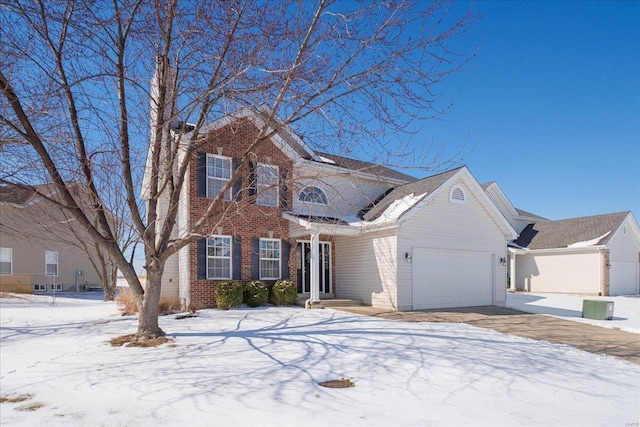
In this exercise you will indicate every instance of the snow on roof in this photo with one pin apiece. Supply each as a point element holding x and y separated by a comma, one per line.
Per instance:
<point>587,243</point>
<point>395,210</point>
<point>326,160</point>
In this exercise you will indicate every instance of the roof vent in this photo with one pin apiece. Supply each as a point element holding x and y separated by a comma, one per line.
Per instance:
<point>457,195</point>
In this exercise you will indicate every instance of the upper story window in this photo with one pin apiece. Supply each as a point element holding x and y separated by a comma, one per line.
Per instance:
<point>6,261</point>
<point>267,184</point>
<point>51,263</point>
<point>219,257</point>
<point>218,173</point>
<point>313,195</point>
<point>457,195</point>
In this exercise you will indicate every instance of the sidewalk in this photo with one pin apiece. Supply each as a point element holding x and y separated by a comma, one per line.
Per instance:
<point>594,339</point>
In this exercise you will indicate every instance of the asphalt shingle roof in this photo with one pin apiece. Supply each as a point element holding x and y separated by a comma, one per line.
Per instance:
<point>15,194</point>
<point>372,168</point>
<point>562,233</point>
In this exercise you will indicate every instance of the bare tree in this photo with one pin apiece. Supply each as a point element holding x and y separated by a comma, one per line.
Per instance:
<point>74,78</point>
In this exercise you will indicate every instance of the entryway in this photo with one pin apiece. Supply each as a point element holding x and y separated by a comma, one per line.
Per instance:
<point>303,266</point>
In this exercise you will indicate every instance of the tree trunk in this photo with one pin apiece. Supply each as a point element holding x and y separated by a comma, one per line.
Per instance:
<point>149,303</point>
<point>111,283</point>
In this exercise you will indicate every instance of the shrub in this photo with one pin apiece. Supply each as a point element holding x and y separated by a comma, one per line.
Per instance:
<point>284,292</point>
<point>228,294</point>
<point>256,293</point>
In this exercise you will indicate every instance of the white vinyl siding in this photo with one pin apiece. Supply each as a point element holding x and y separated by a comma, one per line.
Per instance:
<point>624,257</point>
<point>219,257</point>
<point>6,261</point>
<point>269,259</point>
<point>570,272</point>
<point>267,185</point>
<point>218,173</point>
<point>51,263</point>
<point>366,268</point>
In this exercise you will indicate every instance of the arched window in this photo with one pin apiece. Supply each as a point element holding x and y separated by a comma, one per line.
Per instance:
<point>313,195</point>
<point>457,195</point>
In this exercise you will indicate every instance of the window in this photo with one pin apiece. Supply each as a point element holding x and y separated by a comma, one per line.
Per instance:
<point>456,195</point>
<point>219,257</point>
<point>267,185</point>
<point>39,288</point>
<point>218,173</point>
<point>269,259</point>
<point>6,261</point>
<point>313,195</point>
<point>56,287</point>
<point>51,263</point>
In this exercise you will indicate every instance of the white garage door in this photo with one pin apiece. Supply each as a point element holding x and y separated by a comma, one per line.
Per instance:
<point>623,278</point>
<point>444,279</point>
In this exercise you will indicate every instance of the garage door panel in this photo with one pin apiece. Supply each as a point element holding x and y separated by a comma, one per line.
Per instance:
<point>451,279</point>
<point>623,279</point>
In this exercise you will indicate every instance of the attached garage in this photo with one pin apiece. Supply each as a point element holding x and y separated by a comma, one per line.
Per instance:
<point>442,279</point>
<point>623,278</point>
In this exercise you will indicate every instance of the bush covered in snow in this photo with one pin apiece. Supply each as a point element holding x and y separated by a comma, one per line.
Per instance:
<point>228,294</point>
<point>284,292</point>
<point>256,293</point>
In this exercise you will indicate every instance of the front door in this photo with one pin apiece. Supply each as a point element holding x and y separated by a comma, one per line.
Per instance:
<point>303,257</point>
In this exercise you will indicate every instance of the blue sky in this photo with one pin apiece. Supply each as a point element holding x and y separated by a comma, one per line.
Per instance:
<point>551,105</point>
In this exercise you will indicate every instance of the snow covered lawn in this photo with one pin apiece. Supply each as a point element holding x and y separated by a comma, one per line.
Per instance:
<point>262,367</point>
<point>626,310</point>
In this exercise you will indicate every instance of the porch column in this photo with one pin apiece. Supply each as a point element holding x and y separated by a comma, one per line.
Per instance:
<point>314,264</point>
<point>512,272</point>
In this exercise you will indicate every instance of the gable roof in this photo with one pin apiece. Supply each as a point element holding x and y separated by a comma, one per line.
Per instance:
<point>583,231</point>
<point>423,186</point>
<point>524,213</point>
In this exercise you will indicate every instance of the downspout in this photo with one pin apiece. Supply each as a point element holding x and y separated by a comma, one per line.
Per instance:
<point>512,271</point>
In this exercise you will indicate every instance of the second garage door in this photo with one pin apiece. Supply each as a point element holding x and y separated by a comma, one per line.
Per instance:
<point>442,279</point>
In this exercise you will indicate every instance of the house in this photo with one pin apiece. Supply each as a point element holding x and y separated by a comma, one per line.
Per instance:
<point>593,255</point>
<point>338,227</point>
<point>40,250</point>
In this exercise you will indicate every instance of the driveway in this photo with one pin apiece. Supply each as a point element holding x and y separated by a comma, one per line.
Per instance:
<point>594,339</point>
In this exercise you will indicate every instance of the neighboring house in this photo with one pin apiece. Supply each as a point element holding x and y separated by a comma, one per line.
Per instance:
<point>38,250</point>
<point>596,255</point>
<point>338,227</point>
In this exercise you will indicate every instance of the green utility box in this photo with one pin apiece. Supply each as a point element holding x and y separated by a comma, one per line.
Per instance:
<point>597,309</point>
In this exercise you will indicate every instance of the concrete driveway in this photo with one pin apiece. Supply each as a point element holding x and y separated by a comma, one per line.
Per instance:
<point>594,339</point>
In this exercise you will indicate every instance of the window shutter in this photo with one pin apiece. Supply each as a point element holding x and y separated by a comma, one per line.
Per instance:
<point>253,181</point>
<point>237,185</point>
<point>201,258</point>
<point>284,189</point>
<point>255,258</point>
<point>286,249</point>
<point>237,258</point>
<point>201,175</point>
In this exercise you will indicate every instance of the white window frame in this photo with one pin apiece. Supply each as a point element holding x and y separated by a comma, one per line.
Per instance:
<point>7,253</point>
<point>47,256</point>
<point>38,287</point>
<point>229,257</point>
<point>263,255</point>
<point>461,190</point>
<point>211,178</point>
<point>266,190</point>
<point>56,286</point>
<point>317,190</point>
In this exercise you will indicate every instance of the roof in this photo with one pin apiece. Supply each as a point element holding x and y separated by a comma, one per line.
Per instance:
<point>361,166</point>
<point>15,194</point>
<point>423,186</point>
<point>320,219</point>
<point>530,215</point>
<point>573,232</point>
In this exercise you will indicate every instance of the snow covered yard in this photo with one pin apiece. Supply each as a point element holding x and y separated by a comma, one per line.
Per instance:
<point>262,367</point>
<point>626,309</point>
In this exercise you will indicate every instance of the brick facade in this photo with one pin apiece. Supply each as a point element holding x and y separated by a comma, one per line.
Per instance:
<point>243,219</point>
